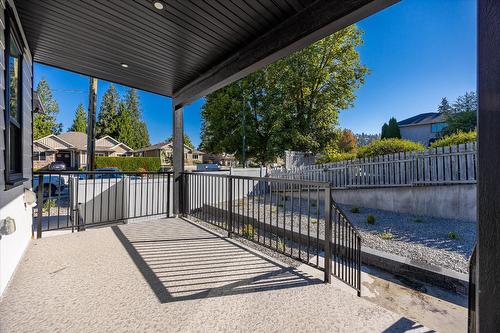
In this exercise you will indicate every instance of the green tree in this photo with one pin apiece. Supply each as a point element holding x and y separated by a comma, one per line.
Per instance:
<point>391,129</point>
<point>139,137</point>
<point>444,107</point>
<point>80,120</point>
<point>187,140</point>
<point>462,117</point>
<point>107,120</point>
<point>44,121</point>
<point>291,104</point>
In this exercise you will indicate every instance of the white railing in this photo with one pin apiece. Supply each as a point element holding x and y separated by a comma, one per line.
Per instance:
<point>445,165</point>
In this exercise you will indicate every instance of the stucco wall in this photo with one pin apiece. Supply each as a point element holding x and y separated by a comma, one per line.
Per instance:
<point>449,201</point>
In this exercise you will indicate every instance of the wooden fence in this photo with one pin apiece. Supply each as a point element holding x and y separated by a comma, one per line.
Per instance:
<point>445,165</point>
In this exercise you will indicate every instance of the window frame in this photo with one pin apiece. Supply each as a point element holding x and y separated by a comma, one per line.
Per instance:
<point>39,156</point>
<point>442,126</point>
<point>11,33</point>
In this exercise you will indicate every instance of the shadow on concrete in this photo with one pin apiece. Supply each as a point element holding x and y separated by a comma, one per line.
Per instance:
<point>182,261</point>
<point>404,325</point>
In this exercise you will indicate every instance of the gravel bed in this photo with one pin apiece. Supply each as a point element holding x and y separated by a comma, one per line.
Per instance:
<point>420,238</point>
<point>423,239</point>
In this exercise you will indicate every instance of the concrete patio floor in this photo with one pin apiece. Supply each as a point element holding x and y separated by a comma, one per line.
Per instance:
<point>173,276</point>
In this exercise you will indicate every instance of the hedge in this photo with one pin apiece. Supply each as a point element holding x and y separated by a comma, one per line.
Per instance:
<point>139,164</point>
<point>388,146</point>
<point>455,139</point>
<point>335,156</point>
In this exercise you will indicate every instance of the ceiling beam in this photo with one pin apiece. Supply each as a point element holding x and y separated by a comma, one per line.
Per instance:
<point>315,22</point>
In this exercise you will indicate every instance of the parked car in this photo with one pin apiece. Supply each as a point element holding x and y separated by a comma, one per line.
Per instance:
<point>57,166</point>
<point>51,184</point>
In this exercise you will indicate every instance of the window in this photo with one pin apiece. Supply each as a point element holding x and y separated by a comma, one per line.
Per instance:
<point>100,154</point>
<point>438,127</point>
<point>39,156</point>
<point>195,157</point>
<point>13,106</point>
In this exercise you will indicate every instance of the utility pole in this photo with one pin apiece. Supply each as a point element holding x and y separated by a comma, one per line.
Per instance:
<point>91,124</point>
<point>243,120</point>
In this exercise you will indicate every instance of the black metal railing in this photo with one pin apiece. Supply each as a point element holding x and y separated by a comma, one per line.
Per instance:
<point>78,200</point>
<point>296,218</point>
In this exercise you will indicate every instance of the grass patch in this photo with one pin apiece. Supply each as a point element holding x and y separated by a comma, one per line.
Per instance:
<point>452,235</point>
<point>355,210</point>
<point>370,219</point>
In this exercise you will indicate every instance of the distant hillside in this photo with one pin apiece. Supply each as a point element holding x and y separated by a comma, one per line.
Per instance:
<point>365,139</point>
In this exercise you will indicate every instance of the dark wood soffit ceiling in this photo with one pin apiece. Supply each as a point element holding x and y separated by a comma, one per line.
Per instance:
<point>165,50</point>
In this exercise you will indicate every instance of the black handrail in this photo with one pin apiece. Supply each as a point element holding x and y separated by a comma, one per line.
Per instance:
<point>284,215</point>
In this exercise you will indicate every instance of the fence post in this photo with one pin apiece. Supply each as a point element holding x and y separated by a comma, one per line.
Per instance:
<point>39,206</point>
<point>229,206</point>
<point>185,194</point>
<point>328,235</point>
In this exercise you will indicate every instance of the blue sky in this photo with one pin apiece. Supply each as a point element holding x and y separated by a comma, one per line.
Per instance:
<point>418,51</point>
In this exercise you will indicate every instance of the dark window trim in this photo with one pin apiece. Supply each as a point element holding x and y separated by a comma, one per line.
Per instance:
<point>12,179</point>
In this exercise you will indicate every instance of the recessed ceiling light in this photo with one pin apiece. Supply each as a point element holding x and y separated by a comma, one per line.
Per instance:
<point>124,65</point>
<point>158,5</point>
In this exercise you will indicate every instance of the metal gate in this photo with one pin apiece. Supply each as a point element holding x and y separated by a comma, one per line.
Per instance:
<point>68,200</point>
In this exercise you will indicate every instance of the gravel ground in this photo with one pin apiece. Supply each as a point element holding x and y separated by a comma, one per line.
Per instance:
<point>423,239</point>
<point>420,238</point>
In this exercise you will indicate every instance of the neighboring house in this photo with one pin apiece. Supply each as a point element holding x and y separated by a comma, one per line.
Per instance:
<point>424,128</point>
<point>71,148</point>
<point>164,150</point>
<point>223,159</point>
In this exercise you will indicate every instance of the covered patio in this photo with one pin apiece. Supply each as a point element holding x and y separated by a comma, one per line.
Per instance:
<point>172,275</point>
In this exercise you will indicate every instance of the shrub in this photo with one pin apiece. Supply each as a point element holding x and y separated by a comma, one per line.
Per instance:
<point>370,219</point>
<point>129,163</point>
<point>355,210</point>
<point>51,203</point>
<point>388,146</point>
<point>452,235</point>
<point>455,139</point>
<point>247,231</point>
<point>386,235</point>
<point>334,156</point>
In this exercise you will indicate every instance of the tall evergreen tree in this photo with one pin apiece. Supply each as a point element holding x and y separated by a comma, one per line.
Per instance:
<point>80,120</point>
<point>391,130</point>
<point>107,120</point>
<point>444,107</point>
<point>44,121</point>
<point>139,137</point>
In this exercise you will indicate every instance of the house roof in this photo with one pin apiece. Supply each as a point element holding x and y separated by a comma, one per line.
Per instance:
<point>188,48</point>
<point>78,140</point>
<point>422,119</point>
<point>160,145</point>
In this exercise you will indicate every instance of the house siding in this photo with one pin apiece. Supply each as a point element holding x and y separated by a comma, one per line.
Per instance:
<point>418,133</point>
<point>12,203</point>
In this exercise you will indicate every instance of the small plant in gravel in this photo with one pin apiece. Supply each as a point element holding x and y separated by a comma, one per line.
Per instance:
<point>273,209</point>
<point>386,234</point>
<point>419,221</point>
<point>355,210</point>
<point>370,219</point>
<point>247,231</point>
<point>281,245</point>
<point>452,235</point>
<point>51,203</point>
<point>314,221</point>
<point>241,202</point>
<point>280,205</point>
